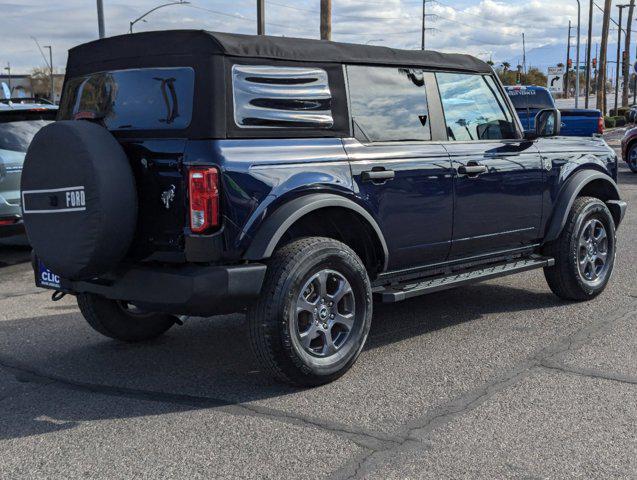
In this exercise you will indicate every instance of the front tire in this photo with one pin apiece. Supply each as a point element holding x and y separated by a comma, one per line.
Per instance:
<point>631,158</point>
<point>314,313</point>
<point>122,321</point>
<point>584,253</point>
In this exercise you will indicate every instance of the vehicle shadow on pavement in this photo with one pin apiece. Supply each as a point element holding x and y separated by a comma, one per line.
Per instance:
<point>205,364</point>
<point>14,254</point>
<point>626,177</point>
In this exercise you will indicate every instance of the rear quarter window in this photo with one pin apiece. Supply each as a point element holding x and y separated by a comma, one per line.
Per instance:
<point>139,99</point>
<point>532,99</point>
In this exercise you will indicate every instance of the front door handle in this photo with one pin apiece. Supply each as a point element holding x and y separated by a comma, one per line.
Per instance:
<point>378,176</point>
<point>472,170</point>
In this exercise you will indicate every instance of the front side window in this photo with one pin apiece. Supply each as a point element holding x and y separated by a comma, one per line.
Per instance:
<point>140,99</point>
<point>388,104</point>
<point>473,108</point>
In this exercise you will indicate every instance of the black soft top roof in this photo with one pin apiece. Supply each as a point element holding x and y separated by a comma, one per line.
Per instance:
<point>205,44</point>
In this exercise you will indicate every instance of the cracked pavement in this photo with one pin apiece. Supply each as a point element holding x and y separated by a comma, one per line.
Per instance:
<point>496,380</point>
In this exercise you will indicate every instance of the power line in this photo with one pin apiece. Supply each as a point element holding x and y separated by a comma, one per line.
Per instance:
<point>340,15</point>
<point>241,17</point>
<point>464,12</point>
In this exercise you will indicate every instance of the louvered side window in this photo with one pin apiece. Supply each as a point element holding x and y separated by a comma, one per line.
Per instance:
<point>273,97</point>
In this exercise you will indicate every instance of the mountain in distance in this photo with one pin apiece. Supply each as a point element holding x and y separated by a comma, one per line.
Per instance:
<point>550,55</point>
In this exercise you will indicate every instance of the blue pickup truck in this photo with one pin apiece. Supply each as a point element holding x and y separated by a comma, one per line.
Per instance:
<point>528,101</point>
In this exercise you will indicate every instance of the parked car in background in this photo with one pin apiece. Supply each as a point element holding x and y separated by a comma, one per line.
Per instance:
<point>19,122</point>
<point>294,179</point>
<point>629,149</point>
<point>529,100</point>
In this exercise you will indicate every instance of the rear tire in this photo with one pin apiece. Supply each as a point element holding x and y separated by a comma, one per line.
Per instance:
<point>584,253</point>
<point>121,321</point>
<point>314,313</point>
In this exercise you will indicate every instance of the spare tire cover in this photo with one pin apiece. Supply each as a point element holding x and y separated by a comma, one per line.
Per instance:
<point>79,199</point>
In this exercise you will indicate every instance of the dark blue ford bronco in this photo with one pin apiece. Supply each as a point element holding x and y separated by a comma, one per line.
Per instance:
<point>197,173</point>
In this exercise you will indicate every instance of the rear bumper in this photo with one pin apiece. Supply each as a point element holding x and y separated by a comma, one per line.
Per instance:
<point>186,290</point>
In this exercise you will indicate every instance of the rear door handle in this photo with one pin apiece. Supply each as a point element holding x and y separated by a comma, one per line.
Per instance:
<point>472,170</point>
<point>378,176</point>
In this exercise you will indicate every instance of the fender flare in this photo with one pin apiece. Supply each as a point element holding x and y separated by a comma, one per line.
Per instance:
<point>274,227</point>
<point>571,191</point>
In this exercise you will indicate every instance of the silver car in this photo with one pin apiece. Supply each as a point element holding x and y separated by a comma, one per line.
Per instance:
<point>19,122</point>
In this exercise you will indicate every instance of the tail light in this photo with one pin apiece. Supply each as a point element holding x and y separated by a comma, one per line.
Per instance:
<point>600,125</point>
<point>204,199</point>
<point>7,221</point>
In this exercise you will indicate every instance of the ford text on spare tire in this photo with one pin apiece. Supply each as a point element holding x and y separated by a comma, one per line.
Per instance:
<point>296,180</point>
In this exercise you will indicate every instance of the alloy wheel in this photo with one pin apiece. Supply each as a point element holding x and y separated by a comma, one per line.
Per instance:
<point>325,313</point>
<point>593,252</point>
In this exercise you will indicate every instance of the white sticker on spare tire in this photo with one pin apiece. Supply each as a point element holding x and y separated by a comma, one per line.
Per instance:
<point>74,200</point>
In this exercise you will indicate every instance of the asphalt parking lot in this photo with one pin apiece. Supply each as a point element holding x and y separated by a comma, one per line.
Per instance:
<point>497,380</point>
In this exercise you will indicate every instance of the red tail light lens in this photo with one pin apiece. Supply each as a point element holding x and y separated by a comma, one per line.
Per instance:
<point>204,199</point>
<point>600,126</point>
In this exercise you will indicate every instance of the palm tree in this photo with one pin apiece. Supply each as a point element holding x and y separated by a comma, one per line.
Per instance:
<point>506,66</point>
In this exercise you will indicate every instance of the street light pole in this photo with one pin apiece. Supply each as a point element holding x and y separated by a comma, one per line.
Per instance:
<point>51,72</point>
<point>579,37</point>
<point>588,54</point>
<point>180,2</point>
<point>100,18</point>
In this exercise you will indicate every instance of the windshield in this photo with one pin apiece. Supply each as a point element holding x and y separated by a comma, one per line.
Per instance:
<point>532,99</point>
<point>141,99</point>
<point>17,136</point>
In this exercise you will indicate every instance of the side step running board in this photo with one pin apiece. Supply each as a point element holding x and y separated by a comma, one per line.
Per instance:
<point>400,292</point>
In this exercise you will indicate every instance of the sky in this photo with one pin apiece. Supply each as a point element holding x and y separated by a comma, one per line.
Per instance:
<point>489,29</point>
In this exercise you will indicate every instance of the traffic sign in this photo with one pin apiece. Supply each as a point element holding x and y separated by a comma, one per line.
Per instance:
<point>555,71</point>
<point>556,83</point>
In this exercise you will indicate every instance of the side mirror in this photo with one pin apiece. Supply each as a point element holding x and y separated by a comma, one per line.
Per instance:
<point>548,123</point>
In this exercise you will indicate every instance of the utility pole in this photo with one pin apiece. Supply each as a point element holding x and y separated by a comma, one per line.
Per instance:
<point>260,17</point>
<point>626,64</point>
<point>588,54</point>
<point>326,19</point>
<point>619,51</point>
<point>579,39</point>
<point>51,71</point>
<point>424,23</point>
<point>524,53</point>
<point>100,18</point>
<point>568,61</point>
<point>603,55</point>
